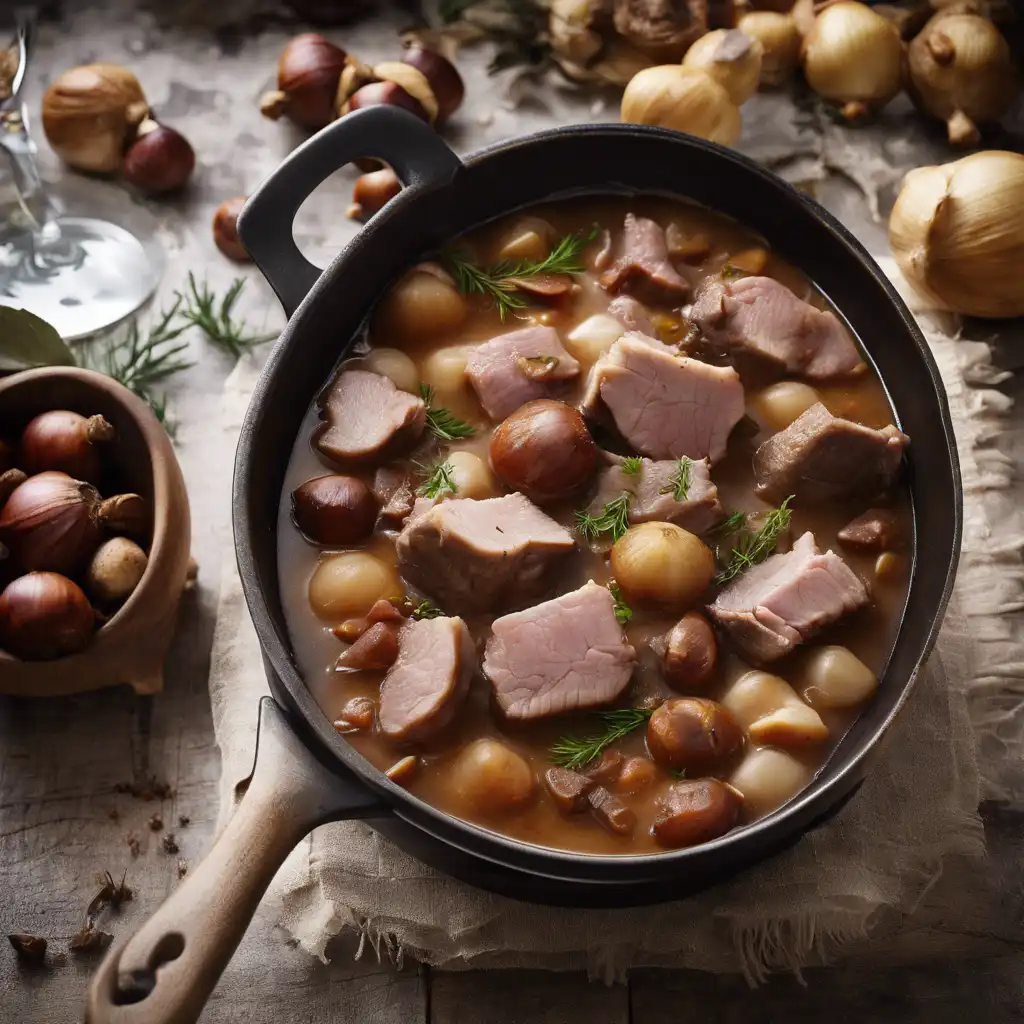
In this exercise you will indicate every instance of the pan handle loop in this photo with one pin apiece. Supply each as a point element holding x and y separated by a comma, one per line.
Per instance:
<point>420,158</point>
<point>165,972</point>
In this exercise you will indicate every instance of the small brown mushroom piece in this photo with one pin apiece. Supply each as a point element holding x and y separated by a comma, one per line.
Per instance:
<point>611,812</point>
<point>694,734</point>
<point>664,29</point>
<point>357,714</point>
<point>568,789</point>
<point>693,812</point>
<point>637,774</point>
<point>377,649</point>
<point>689,653</point>
<point>877,529</point>
<point>607,768</point>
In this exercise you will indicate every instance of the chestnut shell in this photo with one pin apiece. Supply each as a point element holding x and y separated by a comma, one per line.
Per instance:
<point>334,510</point>
<point>693,733</point>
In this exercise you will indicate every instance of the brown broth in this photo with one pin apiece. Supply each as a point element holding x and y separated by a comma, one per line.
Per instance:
<point>869,633</point>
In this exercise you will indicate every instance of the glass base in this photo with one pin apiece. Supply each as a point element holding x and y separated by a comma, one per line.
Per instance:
<point>80,274</point>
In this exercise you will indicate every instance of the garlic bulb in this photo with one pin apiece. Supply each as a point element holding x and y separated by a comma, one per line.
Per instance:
<point>961,71</point>
<point>780,41</point>
<point>731,58</point>
<point>685,99</point>
<point>90,114</point>
<point>957,233</point>
<point>853,57</point>
<point>570,25</point>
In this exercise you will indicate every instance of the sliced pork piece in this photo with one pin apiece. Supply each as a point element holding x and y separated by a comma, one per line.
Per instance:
<point>475,556</point>
<point>643,267</point>
<point>663,404</point>
<point>787,599</point>
<point>429,681</point>
<point>563,655</point>
<point>653,493</point>
<point>877,529</point>
<point>631,314</point>
<point>392,487</point>
<point>758,319</point>
<point>514,368</point>
<point>367,419</point>
<point>820,457</point>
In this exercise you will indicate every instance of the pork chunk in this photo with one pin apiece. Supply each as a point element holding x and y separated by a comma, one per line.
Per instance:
<point>787,599</point>
<point>665,405</point>
<point>429,681</point>
<point>631,314</point>
<point>515,368</point>
<point>475,556</point>
<point>643,267</point>
<point>877,529</point>
<point>567,654</point>
<point>653,493</point>
<point>821,457</point>
<point>759,320</point>
<point>367,419</point>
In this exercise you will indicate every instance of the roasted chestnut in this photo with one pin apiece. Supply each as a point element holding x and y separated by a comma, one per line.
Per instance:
<point>308,72</point>
<point>693,733</point>
<point>692,812</point>
<point>388,94</point>
<point>64,441</point>
<point>43,616</point>
<point>544,450</point>
<point>225,229</point>
<point>160,160</point>
<point>691,653</point>
<point>334,510</point>
<point>372,191</point>
<point>444,78</point>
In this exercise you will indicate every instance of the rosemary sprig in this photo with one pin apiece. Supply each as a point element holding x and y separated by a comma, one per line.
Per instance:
<point>200,309</point>
<point>575,752</point>
<point>622,610</point>
<point>440,422</point>
<point>426,610</point>
<point>679,485</point>
<point>441,479</point>
<point>631,465</point>
<point>730,525</point>
<point>613,519</point>
<point>499,281</point>
<point>753,547</point>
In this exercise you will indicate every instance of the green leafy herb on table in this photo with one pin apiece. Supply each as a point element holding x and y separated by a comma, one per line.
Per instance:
<point>613,519</point>
<point>499,281</point>
<point>575,752</point>
<point>631,465</point>
<point>622,610</point>
<point>216,320</point>
<point>751,547</point>
<point>679,484</point>
<point>26,341</point>
<point>440,480</point>
<point>440,422</point>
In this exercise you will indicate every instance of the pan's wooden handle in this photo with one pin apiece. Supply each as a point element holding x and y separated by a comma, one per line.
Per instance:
<point>165,972</point>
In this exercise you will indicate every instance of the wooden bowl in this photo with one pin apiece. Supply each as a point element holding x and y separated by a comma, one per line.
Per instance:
<point>132,645</point>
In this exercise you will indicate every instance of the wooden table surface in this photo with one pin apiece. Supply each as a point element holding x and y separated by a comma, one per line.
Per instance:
<point>62,823</point>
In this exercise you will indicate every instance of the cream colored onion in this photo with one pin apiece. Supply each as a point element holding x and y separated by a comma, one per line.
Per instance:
<point>685,99</point>
<point>570,26</point>
<point>780,41</point>
<point>731,58</point>
<point>90,114</point>
<point>961,72</point>
<point>957,233</point>
<point>853,57</point>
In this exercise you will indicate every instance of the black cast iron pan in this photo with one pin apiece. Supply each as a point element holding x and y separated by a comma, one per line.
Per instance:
<point>305,773</point>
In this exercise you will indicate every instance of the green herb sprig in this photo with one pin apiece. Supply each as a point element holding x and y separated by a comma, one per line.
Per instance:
<point>201,309</point>
<point>426,610</point>
<point>679,484</point>
<point>631,465</point>
<point>440,480</point>
<point>440,422</point>
<point>499,281</point>
<point>613,519</point>
<point>752,547</point>
<point>622,610</point>
<point>575,752</point>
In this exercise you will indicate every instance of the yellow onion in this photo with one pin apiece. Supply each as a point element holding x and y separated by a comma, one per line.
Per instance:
<point>957,233</point>
<point>90,114</point>
<point>780,44</point>
<point>731,58</point>
<point>571,28</point>
<point>44,616</point>
<point>961,72</point>
<point>685,99</point>
<point>853,57</point>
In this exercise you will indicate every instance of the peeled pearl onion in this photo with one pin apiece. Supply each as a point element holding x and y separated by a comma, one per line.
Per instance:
<point>731,58</point>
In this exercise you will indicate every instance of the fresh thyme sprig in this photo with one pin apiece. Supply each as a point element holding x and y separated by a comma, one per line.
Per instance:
<point>499,281</point>
<point>679,485</point>
<point>622,610</point>
<point>753,547</point>
<point>730,525</point>
<point>426,610</point>
<point>441,479</point>
<point>575,752</point>
<point>613,519</point>
<point>200,308</point>
<point>440,422</point>
<point>631,465</point>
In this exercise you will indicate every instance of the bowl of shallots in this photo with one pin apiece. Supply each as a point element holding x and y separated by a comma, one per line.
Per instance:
<point>94,536</point>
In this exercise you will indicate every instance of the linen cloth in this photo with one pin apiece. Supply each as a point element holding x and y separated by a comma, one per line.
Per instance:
<point>917,807</point>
